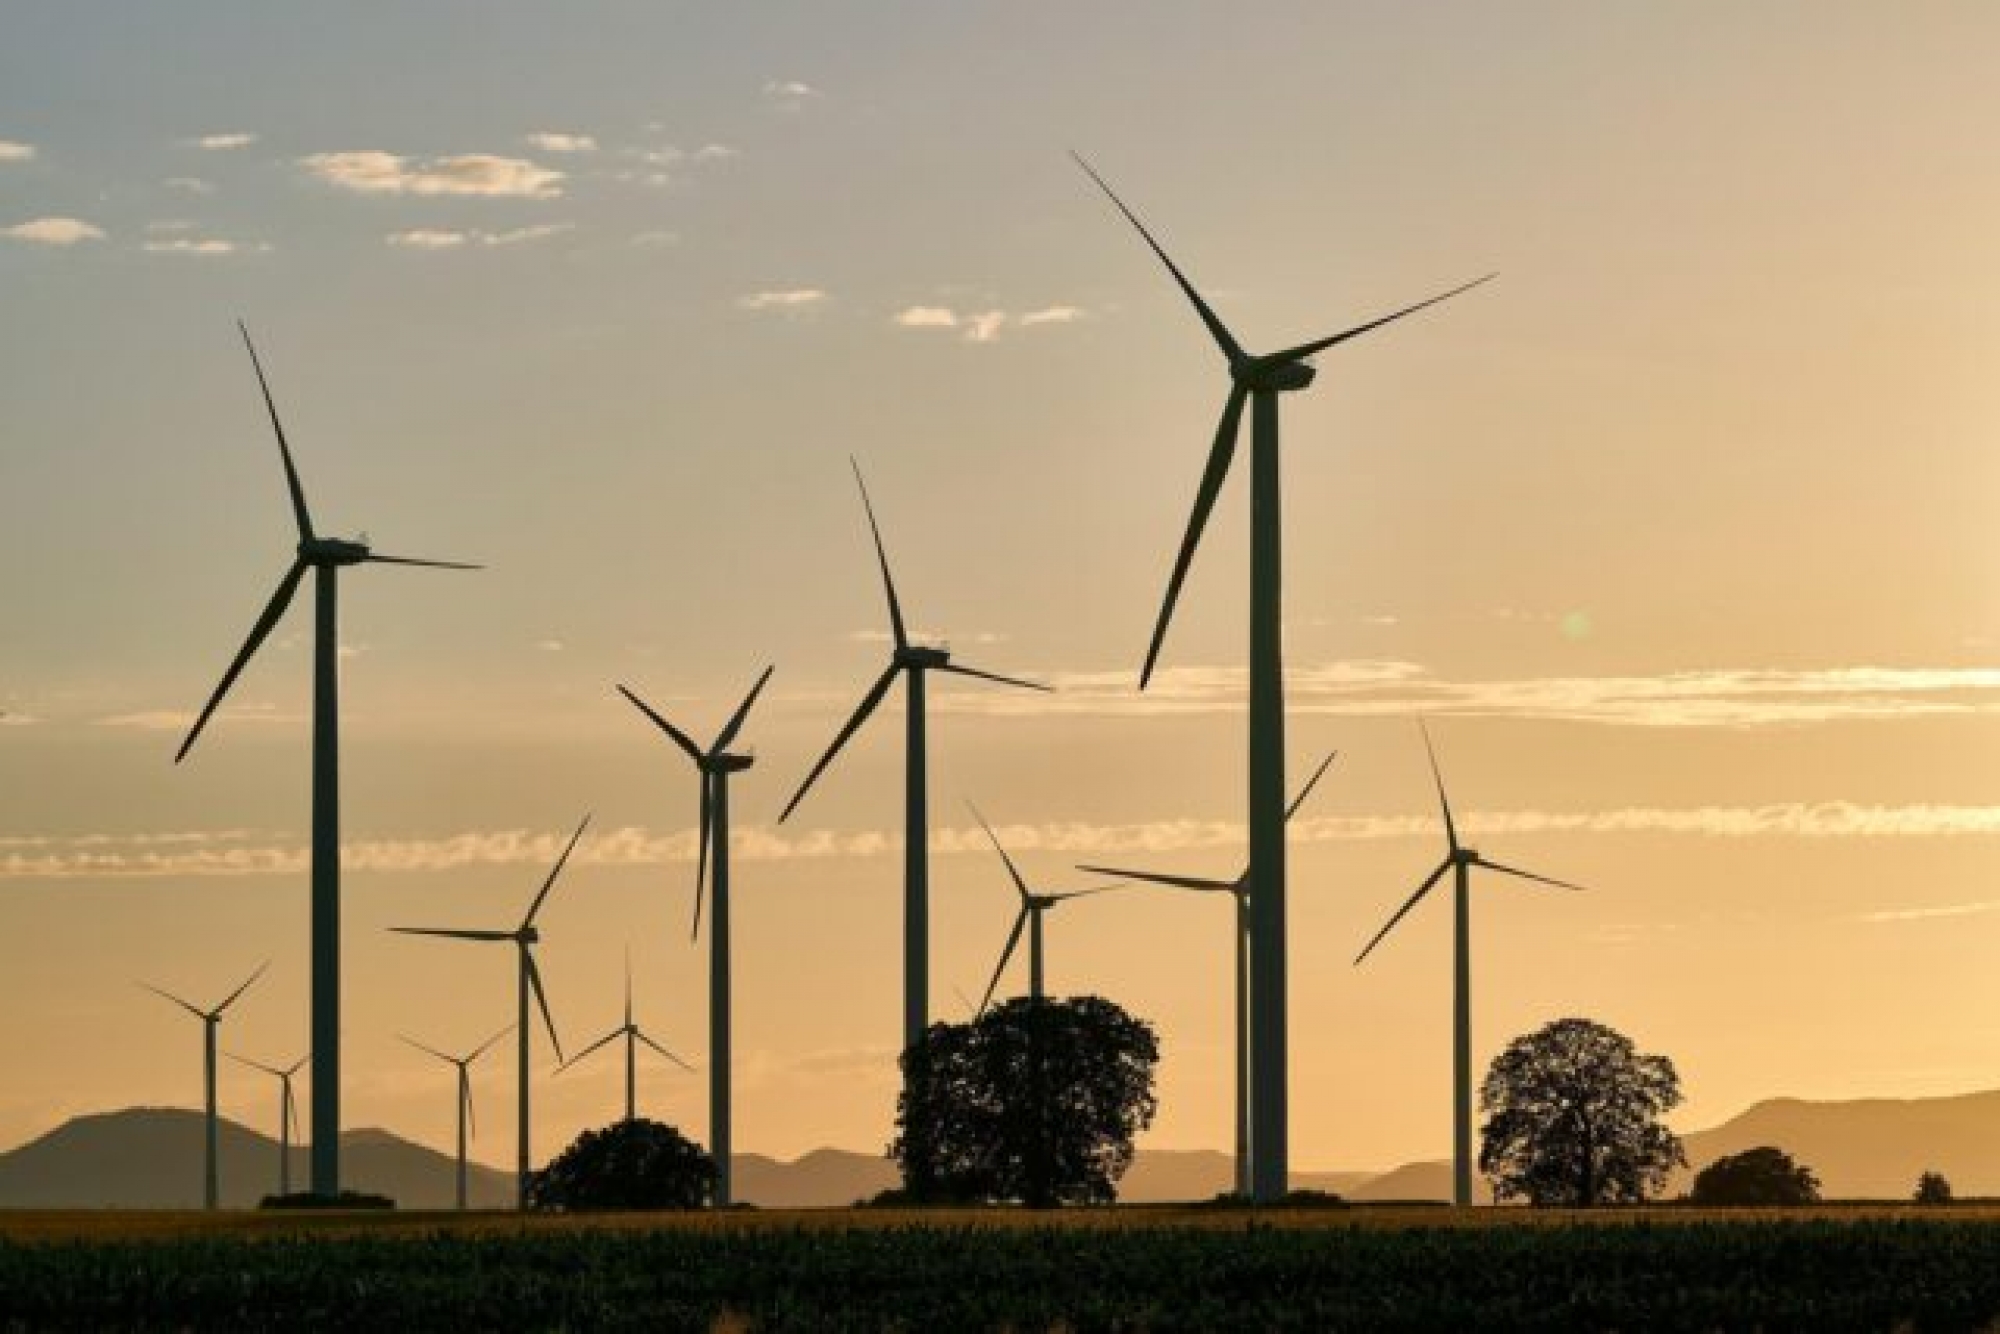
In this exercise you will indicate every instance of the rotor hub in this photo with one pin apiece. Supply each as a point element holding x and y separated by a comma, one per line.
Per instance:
<point>332,551</point>
<point>1281,377</point>
<point>920,655</point>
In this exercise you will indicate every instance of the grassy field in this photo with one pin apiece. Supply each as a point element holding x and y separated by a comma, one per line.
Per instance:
<point>1861,1267</point>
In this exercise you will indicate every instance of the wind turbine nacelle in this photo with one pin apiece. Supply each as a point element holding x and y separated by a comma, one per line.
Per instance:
<point>917,655</point>
<point>529,935</point>
<point>730,764</point>
<point>1280,377</point>
<point>333,551</point>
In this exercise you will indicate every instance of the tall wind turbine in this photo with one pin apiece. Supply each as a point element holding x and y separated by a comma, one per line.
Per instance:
<point>1029,918</point>
<point>288,1113</point>
<point>633,1036</point>
<point>1460,861</point>
<point>324,556</point>
<point>528,978</point>
<point>1257,380</point>
<point>463,1064</point>
<point>210,1021</point>
<point>914,661</point>
<point>1239,889</point>
<point>714,765</point>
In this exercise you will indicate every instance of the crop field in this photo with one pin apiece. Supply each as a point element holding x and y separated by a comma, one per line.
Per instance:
<point>1860,1267</point>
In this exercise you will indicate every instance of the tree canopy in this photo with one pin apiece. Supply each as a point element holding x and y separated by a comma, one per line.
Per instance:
<point>637,1164</point>
<point>1573,1118</point>
<point>1035,1102</point>
<point>1763,1175</point>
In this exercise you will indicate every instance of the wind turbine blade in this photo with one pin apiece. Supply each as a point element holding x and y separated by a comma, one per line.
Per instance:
<point>291,1110</point>
<point>1437,774</point>
<point>374,559</point>
<point>168,995</point>
<point>735,723</point>
<point>1013,939</point>
<point>1311,783</point>
<point>612,1036</point>
<point>299,1064</point>
<point>991,676</point>
<point>245,987</point>
<point>483,1047</point>
<point>1403,911</point>
<point>451,934</point>
<point>299,511</point>
<point>255,1065</point>
<point>867,706</point>
<point>1067,894</point>
<point>554,871</point>
<point>273,611</point>
<point>701,862</point>
<point>663,1051</point>
<point>1213,475</point>
<point>1526,875</point>
<point>448,1060</point>
<point>628,986</point>
<point>541,998</point>
<point>1305,350</point>
<point>465,1095</point>
<point>1159,878</point>
<point>681,739</point>
<point>882,558</point>
<point>1019,884</point>
<point>1216,329</point>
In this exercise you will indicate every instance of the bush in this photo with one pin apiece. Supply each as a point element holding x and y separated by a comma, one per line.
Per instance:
<point>1764,1175</point>
<point>636,1164</point>
<point>1932,1188</point>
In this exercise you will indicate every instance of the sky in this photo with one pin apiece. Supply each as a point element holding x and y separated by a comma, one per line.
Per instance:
<point>1679,532</point>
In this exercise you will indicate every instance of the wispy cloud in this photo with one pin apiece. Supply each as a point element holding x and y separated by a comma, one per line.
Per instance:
<point>655,238</point>
<point>432,238</point>
<point>1730,698</point>
<point>558,141</point>
<point>1052,315</point>
<point>179,720</point>
<point>53,231</point>
<point>982,326</point>
<point>790,94</point>
<point>213,246</point>
<point>715,153</point>
<point>879,636</point>
<point>795,299</point>
<point>370,171</point>
<point>191,185</point>
<point>1976,908</point>
<point>216,143</point>
<point>14,151</point>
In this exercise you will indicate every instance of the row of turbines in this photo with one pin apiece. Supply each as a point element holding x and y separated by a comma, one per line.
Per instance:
<point>1259,895</point>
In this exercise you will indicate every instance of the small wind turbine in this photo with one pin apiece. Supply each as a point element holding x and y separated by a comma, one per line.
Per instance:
<point>1459,861</point>
<point>528,979</point>
<point>210,1021</point>
<point>1033,906</point>
<point>324,556</point>
<point>714,765</point>
<point>913,661</point>
<point>1256,380</point>
<point>288,1114</point>
<point>463,1064</point>
<point>1240,890</point>
<point>633,1036</point>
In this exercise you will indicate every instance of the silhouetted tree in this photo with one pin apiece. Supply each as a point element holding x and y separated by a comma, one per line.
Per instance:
<point>1764,1175</point>
<point>637,1164</point>
<point>1932,1188</point>
<point>1031,1102</point>
<point>1573,1118</point>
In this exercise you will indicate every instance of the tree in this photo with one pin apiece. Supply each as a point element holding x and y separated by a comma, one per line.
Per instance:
<point>1036,1102</point>
<point>637,1164</point>
<point>1932,1188</point>
<point>1573,1118</point>
<point>1763,1175</point>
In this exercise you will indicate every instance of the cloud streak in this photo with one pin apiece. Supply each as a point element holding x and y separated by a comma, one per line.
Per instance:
<point>370,171</point>
<point>60,232</point>
<point>982,326</point>
<point>794,299</point>
<point>14,151</point>
<point>433,238</point>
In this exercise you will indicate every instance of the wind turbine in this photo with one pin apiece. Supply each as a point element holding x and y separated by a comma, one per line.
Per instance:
<point>1247,1150</point>
<point>210,1021</point>
<point>914,661</point>
<point>288,1113</point>
<point>528,979</point>
<point>463,1064</point>
<point>633,1036</point>
<point>1033,906</point>
<point>714,765</point>
<point>324,556</point>
<point>1460,861</point>
<point>1257,380</point>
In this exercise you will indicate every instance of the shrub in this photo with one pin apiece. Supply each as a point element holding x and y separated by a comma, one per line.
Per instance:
<point>1763,1175</point>
<point>637,1164</point>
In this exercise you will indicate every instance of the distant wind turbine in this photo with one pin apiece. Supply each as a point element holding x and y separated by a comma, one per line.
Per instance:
<point>1460,861</point>
<point>715,765</point>
<point>210,1021</point>
<point>1257,380</point>
<point>324,556</point>
<point>1033,906</point>
<point>1239,889</point>
<point>288,1115</point>
<point>528,978</point>
<point>463,1064</point>
<point>633,1036</point>
<point>914,661</point>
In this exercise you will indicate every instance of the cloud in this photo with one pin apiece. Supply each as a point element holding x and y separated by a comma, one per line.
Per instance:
<point>189,245</point>
<point>985,326</point>
<point>792,299</point>
<point>1727,698</point>
<point>11,151</point>
<point>369,171</point>
<point>431,238</point>
<point>875,636</point>
<point>556,141</point>
<point>790,92</point>
<point>1052,315</point>
<point>192,185</point>
<point>550,645</point>
<point>53,231</point>
<point>179,720</point>
<point>224,142</point>
<point>981,326</point>
<point>927,317</point>
<point>655,238</point>
<point>427,238</point>
<point>715,153</point>
<point>1976,908</point>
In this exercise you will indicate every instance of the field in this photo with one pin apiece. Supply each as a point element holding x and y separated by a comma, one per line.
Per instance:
<point>1872,1268</point>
